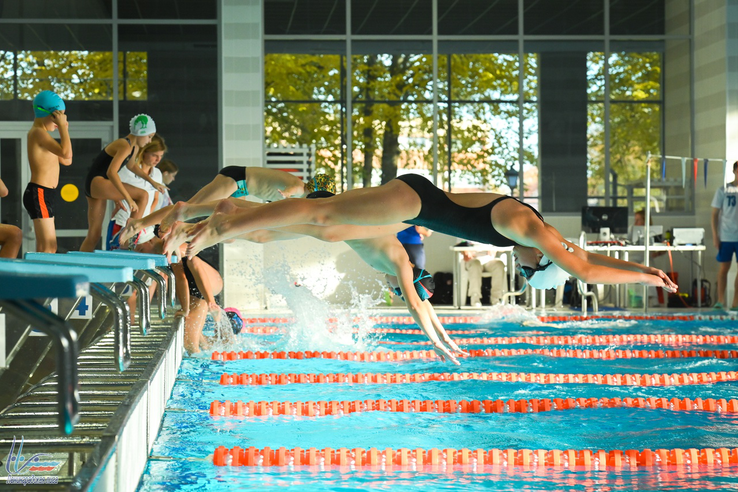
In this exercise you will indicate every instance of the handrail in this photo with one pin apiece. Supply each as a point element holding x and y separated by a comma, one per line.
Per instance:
<point>171,294</point>
<point>64,339</point>
<point>122,323</point>
<point>156,276</point>
<point>144,308</point>
<point>580,285</point>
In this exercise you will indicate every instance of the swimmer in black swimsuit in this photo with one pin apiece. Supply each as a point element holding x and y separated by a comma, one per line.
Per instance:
<point>543,256</point>
<point>380,249</point>
<point>103,184</point>
<point>197,284</point>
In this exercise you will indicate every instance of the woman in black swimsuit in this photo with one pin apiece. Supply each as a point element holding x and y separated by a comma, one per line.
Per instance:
<point>103,184</point>
<point>543,256</point>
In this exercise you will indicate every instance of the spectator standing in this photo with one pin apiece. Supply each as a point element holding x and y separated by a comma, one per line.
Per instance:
<point>725,236</point>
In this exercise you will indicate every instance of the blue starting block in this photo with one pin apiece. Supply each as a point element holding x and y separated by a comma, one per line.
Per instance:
<point>17,293</point>
<point>162,267</point>
<point>92,259</point>
<point>160,259</point>
<point>97,276</point>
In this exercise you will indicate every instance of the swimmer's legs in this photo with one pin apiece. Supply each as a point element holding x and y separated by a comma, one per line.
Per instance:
<point>388,204</point>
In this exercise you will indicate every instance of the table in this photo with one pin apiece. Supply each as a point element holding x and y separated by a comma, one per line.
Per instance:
<point>631,248</point>
<point>458,258</point>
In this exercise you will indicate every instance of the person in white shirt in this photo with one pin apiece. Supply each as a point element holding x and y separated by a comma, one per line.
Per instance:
<point>147,159</point>
<point>725,236</point>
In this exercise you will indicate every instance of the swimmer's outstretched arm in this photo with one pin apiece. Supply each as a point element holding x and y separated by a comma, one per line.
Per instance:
<point>422,312</point>
<point>441,331</point>
<point>589,267</point>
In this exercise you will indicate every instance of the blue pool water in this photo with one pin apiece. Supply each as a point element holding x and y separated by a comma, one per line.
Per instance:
<point>182,455</point>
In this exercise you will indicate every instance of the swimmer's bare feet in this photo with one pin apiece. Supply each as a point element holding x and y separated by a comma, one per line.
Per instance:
<point>208,233</point>
<point>178,213</point>
<point>133,227</point>
<point>179,234</point>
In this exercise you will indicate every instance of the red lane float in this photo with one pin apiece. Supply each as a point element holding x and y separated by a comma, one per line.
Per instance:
<point>633,339</point>
<point>675,379</point>
<point>408,320</point>
<point>397,355</point>
<point>325,408</point>
<point>404,458</point>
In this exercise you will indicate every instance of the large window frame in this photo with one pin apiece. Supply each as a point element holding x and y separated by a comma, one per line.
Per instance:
<point>345,44</point>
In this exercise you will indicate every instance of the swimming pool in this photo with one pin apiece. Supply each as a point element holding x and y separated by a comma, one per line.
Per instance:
<point>602,403</point>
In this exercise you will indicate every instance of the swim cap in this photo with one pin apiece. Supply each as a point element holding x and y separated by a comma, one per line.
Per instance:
<point>320,194</point>
<point>321,182</point>
<point>424,284</point>
<point>236,319</point>
<point>46,102</point>
<point>551,275</point>
<point>142,125</point>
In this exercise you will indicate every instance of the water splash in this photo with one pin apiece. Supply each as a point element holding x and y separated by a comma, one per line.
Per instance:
<point>318,325</point>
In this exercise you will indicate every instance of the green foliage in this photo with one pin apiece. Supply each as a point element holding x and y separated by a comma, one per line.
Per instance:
<point>74,75</point>
<point>393,113</point>
<point>635,116</point>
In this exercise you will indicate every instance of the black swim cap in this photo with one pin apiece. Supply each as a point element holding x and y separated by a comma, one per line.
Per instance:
<point>320,194</point>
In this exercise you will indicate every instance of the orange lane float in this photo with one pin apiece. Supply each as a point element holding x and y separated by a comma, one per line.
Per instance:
<point>398,355</point>
<point>475,459</point>
<point>632,339</point>
<point>675,379</point>
<point>408,320</point>
<point>325,408</point>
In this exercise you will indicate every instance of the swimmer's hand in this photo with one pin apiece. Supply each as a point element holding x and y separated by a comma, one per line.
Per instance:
<point>132,228</point>
<point>134,207</point>
<point>658,278</point>
<point>160,187</point>
<point>444,353</point>
<point>59,119</point>
<point>454,348</point>
<point>214,310</point>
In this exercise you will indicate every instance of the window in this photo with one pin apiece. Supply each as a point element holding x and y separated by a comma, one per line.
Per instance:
<point>74,75</point>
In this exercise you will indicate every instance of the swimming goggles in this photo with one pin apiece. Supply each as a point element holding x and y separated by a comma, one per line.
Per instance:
<point>527,272</point>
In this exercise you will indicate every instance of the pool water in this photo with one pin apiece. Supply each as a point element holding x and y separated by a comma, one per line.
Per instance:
<point>182,457</point>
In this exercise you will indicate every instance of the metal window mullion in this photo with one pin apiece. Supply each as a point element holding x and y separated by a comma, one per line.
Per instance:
<point>349,105</point>
<point>116,103</point>
<point>606,116</point>
<point>434,170</point>
<point>521,101</point>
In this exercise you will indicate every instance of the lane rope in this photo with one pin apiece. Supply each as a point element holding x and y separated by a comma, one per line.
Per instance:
<point>333,407</point>
<point>675,379</point>
<point>544,318</point>
<point>630,339</point>
<point>397,355</point>
<point>410,459</point>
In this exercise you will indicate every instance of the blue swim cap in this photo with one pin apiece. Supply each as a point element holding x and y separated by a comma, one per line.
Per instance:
<point>46,102</point>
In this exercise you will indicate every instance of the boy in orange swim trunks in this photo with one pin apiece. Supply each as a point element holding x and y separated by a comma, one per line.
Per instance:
<point>44,156</point>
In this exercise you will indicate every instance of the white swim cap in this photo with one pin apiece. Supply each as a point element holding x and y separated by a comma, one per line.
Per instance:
<point>141,125</point>
<point>552,276</point>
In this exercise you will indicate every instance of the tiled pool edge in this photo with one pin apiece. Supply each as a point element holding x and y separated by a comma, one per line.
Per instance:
<point>119,460</point>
